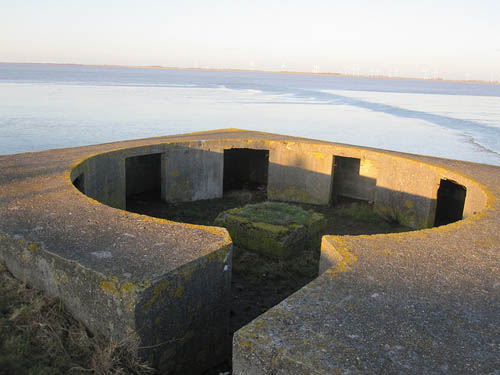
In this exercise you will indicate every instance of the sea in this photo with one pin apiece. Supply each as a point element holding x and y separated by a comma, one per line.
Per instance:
<point>47,106</point>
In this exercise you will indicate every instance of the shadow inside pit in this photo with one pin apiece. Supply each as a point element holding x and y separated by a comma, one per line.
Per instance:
<point>140,182</point>
<point>258,282</point>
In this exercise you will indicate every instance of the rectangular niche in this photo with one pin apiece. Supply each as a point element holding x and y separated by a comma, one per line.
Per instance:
<point>245,168</point>
<point>143,175</point>
<point>353,178</point>
<point>450,202</point>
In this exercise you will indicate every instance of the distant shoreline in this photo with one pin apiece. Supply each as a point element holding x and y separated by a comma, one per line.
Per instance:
<point>327,74</point>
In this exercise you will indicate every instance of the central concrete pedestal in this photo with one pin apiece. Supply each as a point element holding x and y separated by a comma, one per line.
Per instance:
<point>277,230</point>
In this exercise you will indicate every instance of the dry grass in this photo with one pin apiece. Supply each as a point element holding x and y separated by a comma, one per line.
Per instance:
<point>39,336</point>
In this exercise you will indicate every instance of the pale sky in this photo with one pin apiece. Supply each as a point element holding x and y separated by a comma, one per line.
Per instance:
<point>451,39</point>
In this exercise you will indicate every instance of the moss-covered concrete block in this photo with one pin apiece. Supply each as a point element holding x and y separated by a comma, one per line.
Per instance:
<point>278,230</point>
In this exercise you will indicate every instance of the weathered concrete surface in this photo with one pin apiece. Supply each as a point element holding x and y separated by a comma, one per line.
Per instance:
<point>419,302</point>
<point>298,175</point>
<point>191,174</point>
<point>355,178</point>
<point>162,285</point>
<point>278,230</point>
<point>424,302</point>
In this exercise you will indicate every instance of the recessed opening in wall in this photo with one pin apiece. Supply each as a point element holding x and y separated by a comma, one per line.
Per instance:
<point>245,169</point>
<point>450,202</point>
<point>348,182</point>
<point>79,183</point>
<point>143,176</point>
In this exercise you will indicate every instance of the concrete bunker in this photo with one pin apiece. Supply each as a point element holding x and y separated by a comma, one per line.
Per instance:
<point>143,175</point>
<point>166,270</point>
<point>450,202</point>
<point>245,168</point>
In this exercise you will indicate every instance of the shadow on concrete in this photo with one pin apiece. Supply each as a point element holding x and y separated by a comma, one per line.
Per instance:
<point>348,181</point>
<point>194,173</point>
<point>245,168</point>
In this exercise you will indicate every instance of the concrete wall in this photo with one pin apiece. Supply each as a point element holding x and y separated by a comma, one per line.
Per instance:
<point>105,179</point>
<point>183,318</point>
<point>406,192</point>
<point>354,178</point>
<point>299,176</point>
<point>190,174</point>
<point>296,173</point>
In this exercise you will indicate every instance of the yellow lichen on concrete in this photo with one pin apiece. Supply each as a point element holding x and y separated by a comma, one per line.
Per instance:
<point>32,246</point>
<point>218,255</point>
<point>128,289</point>
<point>60,276</point>
<point>187,271</point>
<point>320,155</point>
<point>179,291</point>
<point>25,256</point>
<point>157,290</point>
<point>109,288</point>
<point>345,258</point>
<point>125,292</point>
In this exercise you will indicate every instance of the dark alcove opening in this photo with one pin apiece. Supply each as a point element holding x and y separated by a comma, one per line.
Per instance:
<point>348,185</point>
<point>245,169</point>
<point>450,203</point>
<point>143,176</point>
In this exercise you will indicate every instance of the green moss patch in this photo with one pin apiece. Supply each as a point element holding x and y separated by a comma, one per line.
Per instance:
<point>277,213</point>
<point>278,230</point>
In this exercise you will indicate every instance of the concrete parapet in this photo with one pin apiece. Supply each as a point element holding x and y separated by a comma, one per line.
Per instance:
<point>425,301</point>
<point>422,302</point>
<point>162,286</point>
<point>178,321</point>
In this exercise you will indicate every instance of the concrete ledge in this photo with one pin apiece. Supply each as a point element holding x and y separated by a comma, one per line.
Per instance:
<point>423,302</point>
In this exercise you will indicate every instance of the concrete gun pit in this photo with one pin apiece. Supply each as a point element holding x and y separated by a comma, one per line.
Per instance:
<point>425,301</point>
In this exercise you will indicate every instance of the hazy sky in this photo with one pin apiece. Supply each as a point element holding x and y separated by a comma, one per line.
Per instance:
<point>455,39</point>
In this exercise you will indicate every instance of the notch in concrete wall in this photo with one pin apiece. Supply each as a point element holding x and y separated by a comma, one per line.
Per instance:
<point>450,202</point>
<point>143,175</point>
<point>245,168</point>
<point>348,180</point>
<point>79,183</point>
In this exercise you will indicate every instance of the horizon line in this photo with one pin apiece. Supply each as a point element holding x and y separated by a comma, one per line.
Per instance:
<point>336,74</point>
